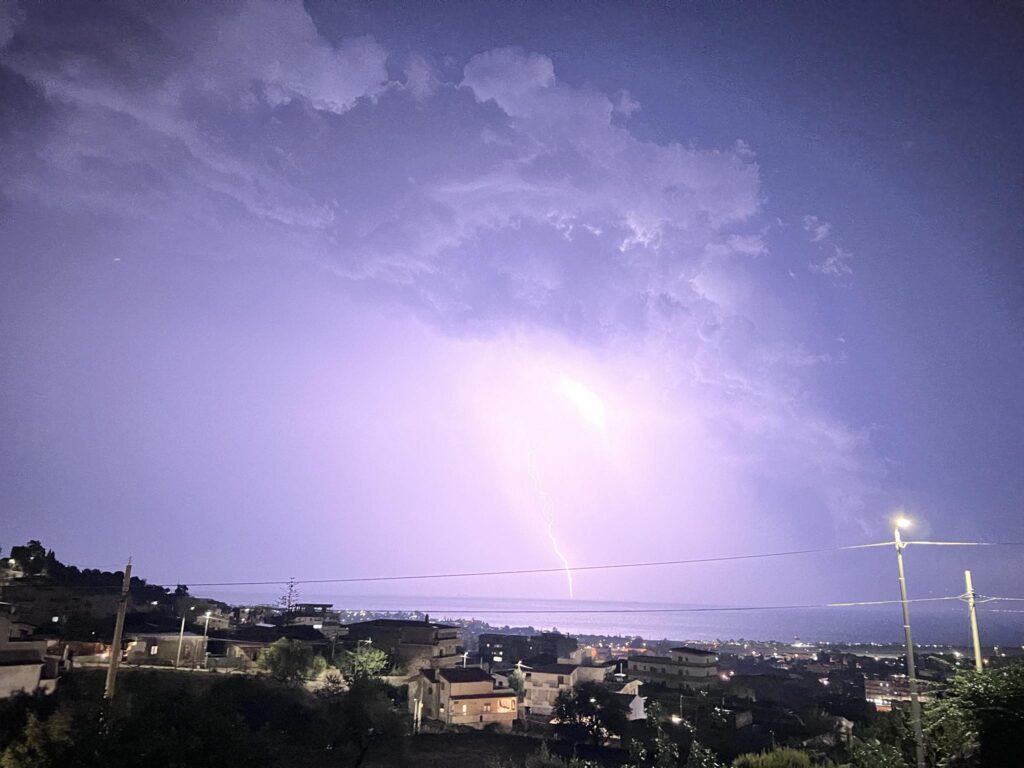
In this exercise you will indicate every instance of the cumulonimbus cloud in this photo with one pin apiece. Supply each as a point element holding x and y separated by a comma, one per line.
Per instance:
<point>506,198</point>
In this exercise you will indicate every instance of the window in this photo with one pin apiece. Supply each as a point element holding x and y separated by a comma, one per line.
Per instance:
<point>561,680</point>
<point>152,650</point>
<point>463,709</point>
<point>487,706</point>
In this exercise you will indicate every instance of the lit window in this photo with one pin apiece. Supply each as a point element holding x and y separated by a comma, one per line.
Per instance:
<point>152,650</point>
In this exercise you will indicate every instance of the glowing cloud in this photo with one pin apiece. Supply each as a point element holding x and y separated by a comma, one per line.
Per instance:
<point>586,402</point>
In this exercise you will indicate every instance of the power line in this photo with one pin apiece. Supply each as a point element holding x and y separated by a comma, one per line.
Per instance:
<point>701,609</point>
<point>555,569</point>
<point>534,571</point>
<point>603,567</point>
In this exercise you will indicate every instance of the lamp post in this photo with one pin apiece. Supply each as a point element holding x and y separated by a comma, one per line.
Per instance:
<point>915,702</point>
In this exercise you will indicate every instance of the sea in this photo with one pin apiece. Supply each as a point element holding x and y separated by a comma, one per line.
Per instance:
<point>945,623</point>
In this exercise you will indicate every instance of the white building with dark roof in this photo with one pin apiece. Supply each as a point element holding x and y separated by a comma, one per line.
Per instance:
<point>684,668</point>
<point>461,696</point>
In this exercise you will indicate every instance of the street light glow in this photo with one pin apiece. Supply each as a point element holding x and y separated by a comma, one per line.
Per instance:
<point>903,522</point>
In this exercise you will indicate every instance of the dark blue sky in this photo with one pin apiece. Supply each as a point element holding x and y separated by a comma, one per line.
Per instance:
<point>293,290</point>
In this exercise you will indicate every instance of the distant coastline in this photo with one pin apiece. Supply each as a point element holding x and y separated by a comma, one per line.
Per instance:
<point>944,624</point>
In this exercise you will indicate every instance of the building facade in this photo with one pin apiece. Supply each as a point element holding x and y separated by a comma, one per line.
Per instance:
<point>543,683</point>
<point>683,669</point>
<point>461,696</point>
<point>25,666</point>
<point>412,644</point>
<point>508,650</point>
<point>161,649</point>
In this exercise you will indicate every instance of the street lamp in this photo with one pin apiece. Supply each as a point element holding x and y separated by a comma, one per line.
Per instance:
<point>915,702</point>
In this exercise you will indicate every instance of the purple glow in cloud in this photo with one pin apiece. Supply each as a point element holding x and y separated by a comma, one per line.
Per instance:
<point>271,267</point>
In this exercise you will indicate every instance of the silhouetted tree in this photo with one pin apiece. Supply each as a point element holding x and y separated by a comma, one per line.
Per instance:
<point>291,662</point>
<point>362,662</point>
<point>589,711</point>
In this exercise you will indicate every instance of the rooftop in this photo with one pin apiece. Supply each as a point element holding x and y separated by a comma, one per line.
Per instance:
<point>465,675</point>
<point>556,669</point>
<point>398,623</point>
<point>693,651</point>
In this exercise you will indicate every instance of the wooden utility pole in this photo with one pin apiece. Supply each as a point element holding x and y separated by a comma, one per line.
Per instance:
<point>115,647</point>
<point>972,609</point>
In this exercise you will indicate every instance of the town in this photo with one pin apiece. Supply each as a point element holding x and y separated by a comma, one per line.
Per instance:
<point>448,685</point>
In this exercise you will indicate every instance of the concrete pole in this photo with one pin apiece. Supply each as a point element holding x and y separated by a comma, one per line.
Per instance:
<point>181,639</point>
<point>915,701</point>
<point>972,609</point>
<point>115,647</point>
<point>206,630</point>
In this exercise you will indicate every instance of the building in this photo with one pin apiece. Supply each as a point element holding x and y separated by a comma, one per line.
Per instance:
<point>683,669</point>
<point>508,650</point>
<point>887,692</point>
<point>52,605</point>
<point>24,664</point>
<point>207,613</point>
<point>461,696</point>
<point>410,643</point>
<point>161,649</point>
<point>634,703</point>
<point>543,683</point>
<point>315,615</point>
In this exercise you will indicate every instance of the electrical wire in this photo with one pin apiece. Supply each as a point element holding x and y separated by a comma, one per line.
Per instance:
<point>533,571</point>
<point>700,609</point>
<point>553,569</point>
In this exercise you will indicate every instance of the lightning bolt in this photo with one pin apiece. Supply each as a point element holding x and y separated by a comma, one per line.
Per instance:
<point>545,507</point>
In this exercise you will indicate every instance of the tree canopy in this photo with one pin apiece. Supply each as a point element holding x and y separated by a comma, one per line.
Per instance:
<point>291,662</point>
<point>363,661</point>
<point>590,711</point>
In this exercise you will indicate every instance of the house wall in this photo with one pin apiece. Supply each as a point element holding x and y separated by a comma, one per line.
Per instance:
<point>19,677</point>
<point>542,689</point>
<point>478,713</point>
<point>672,673</point>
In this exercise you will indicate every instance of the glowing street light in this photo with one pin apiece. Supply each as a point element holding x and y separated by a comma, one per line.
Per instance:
<point>915,701</point>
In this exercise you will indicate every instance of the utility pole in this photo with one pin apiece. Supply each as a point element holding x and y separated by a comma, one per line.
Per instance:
<point>915,701</point>
<point>181,637</point>
<point>972,609</point>
<point>206,631</point>
<point>115,647</point>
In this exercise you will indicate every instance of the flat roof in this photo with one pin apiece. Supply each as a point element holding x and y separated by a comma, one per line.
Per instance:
<point>556,669</point>
<point>465,675</point>
<point>693,651</point>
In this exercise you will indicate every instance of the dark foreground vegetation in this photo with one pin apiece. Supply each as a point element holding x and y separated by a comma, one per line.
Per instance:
<point>163,719</point>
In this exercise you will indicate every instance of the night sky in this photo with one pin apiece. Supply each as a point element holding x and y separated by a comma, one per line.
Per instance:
<point>369,289</point>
